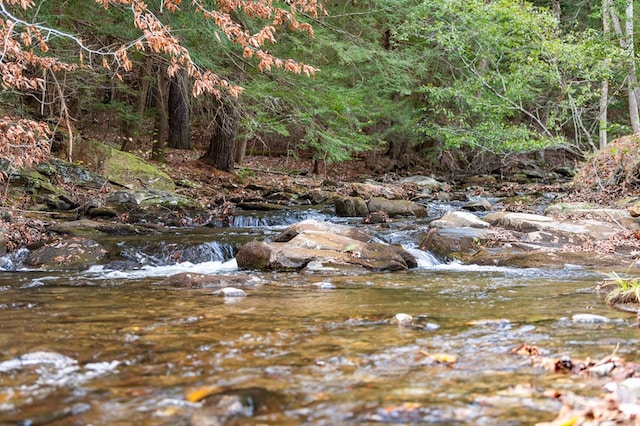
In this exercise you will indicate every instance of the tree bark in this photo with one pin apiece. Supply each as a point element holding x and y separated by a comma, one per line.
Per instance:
<point>225,128</point>
<point>626,42</point>
<point>240,151</point>
<point>604,90</point>
<point>161,129</point>
<point>133,127</point>
<point>179,126</point>
<point>633,78</point>
<point>557,11</point>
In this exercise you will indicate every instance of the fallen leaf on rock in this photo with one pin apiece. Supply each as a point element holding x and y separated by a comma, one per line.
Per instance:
<point>200,393</point>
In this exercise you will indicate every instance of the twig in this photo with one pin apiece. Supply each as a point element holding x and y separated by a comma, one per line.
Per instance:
<point>263,170</point>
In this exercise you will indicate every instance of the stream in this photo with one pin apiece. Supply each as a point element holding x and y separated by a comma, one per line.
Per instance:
<point>115,347</point>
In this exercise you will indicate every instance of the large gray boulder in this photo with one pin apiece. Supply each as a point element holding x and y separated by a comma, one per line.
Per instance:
<point>527,240</point>
<point>318,243</point>
<point>572,232</point>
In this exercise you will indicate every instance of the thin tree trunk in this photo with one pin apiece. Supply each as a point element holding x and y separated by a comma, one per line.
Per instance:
<point>240,151</point>
<point>633,79</point>
<point>555,6</point>
<point>161,129</point>
<point>133,132</point>
<point>225,128</point>
<point>179,126</point>
<point>604,90</point>
<point>626,42</point>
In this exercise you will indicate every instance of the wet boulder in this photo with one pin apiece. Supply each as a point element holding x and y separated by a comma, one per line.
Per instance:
<point>426,183</point>
<point>318,244</point>
<point>397,207</point>
<point>479,205</point>
<point>525,240</point>
<point>458,219</point>
<point>74,254</point>
<point>314,226</point>
<point>319,196</point>
<point>456,243</point>
<point>369,190</point>
<point>351,207</point>
<point>562,231</point>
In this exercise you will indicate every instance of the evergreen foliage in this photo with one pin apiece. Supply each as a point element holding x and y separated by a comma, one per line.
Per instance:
<point>495,76</point>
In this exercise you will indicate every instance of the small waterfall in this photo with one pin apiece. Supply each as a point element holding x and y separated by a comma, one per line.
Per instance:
<point>208,252</point>
<point>250,222</point>
<point>254,218</point>
<point>425,259</point>
<point>166,253</point>
<point>13,261</point>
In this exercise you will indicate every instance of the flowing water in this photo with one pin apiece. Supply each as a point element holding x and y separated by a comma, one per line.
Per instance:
<point>117,347</point>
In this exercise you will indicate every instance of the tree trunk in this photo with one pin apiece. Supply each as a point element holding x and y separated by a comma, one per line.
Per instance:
<point>240,151</point>
<point>179,128</point>
<point>626,42</point>
<point>133,127</point>
<point>161,129</point>
<point>557,11</point>
<point>225,128</point>
<point>604,92</point>
<point>633,78</point>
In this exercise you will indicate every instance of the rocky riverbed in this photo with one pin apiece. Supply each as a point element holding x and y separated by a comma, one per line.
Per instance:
<point>65,219</point>
<point>528,221</point>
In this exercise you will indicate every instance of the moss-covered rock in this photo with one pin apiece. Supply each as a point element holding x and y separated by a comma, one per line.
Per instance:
<point>122,168</point>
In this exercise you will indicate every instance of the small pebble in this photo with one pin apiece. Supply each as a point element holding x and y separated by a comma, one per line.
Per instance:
<point>403,318</point>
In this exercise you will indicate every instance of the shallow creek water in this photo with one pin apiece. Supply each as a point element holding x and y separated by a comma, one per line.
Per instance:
<point>106,347</point>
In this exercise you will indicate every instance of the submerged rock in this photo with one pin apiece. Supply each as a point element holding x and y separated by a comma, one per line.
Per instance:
<point>589,319</point>
<point>230,292</point>
<point>229,406</point>
<point>193,280</point>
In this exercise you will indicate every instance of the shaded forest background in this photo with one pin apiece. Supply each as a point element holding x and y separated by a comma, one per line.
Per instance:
<point>459,85</point>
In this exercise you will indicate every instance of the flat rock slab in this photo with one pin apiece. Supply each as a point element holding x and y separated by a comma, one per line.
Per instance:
<point>325,244</point>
